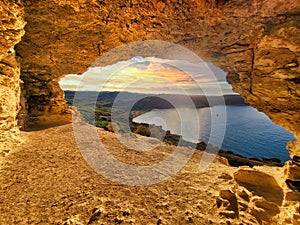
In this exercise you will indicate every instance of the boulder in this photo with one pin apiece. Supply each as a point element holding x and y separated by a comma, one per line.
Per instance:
<point>260,184</point>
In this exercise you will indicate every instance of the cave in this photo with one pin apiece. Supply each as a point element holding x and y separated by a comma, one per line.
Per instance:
<point>154,86</point>
<point>255,42</point>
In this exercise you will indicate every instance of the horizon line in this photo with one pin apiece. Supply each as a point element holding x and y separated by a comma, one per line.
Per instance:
<point>234,93</point>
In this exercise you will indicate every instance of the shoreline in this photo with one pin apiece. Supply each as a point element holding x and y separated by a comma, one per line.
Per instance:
<point>103,118</point>
<point>234,159</point>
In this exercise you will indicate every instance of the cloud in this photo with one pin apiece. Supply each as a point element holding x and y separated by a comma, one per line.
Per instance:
<point>151,75</point>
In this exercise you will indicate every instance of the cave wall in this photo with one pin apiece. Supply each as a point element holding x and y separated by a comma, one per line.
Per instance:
<point>255,41</point>
<point>11,30</point>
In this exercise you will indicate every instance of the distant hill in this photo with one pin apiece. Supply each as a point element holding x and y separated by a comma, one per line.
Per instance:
<point>148,102</point>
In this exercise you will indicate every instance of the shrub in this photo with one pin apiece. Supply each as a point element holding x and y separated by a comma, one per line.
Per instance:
<point>110,127</point>
<point>101,124</point>
<point>143,130</point>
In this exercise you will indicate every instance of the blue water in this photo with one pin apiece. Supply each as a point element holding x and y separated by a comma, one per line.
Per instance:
<point>245,130</point>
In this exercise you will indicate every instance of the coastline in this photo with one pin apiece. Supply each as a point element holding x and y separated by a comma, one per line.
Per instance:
<point>102,118</point>
<point>234,159</point>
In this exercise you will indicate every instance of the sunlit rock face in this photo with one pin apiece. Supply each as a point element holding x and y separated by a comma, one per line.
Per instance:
<point>11,31</point>
<point>255,41</point>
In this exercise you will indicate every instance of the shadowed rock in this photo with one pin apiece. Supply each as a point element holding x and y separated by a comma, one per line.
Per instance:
<point>261,184</point>
<point>229,201</point>
<point>263,210</point>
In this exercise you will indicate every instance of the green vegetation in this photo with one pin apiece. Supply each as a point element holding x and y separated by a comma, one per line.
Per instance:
<point>102,124</point>
<point>99,114</point>
<point>143,130</point>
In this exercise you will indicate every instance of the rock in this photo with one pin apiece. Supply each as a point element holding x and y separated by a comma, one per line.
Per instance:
<point>261,184</point>
<point>223,160</point>
<point>292,171</point>
<point>11,30</point>
<point>96,214</point>
<point>296,219</point>
<point>293,185</point>
<point>263,210</point>
<point>247,51</point>
<point>243,206</point>
<point>292,196</point>
<point>256,42</point>
<point>225,176</point>
<point>229,202</point>
<point>159,222</point>
<point>271,208</point>
<point>73,221</point>
<point>260,215</point>
<point>261,56</point>
<point>243,194</point>
<point>222,202</point>
<point>12,24</point>
<point>296,160</point>
<point>228,214</point>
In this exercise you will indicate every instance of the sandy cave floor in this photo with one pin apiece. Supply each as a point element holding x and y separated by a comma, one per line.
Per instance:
<point>45,180</point>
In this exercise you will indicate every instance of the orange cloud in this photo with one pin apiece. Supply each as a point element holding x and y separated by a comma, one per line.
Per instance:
<point>148,76</point>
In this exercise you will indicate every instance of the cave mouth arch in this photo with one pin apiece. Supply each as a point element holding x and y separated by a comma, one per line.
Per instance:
<point>257,43</point>
<point>251,125</point>
<point>242,38</point>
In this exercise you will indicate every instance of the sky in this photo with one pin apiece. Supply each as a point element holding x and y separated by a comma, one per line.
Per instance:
<point>151,76</point>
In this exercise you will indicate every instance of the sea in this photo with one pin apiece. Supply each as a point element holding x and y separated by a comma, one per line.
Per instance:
<point>240,129</point>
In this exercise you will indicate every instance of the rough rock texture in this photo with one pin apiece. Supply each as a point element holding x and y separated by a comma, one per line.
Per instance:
<point>256,182</point>
<point>12,24</point>
<point>47,181</point>
<point>255,41</point>
<point>11,31</point>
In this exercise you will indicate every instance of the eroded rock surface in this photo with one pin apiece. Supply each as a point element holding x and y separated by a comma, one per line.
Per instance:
<point>11,31</point>
<point>48,181</point>
<point>256,42</point>
<point>261,184</point>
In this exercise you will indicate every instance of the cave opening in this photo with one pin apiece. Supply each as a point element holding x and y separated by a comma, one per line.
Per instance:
<point>154,84</point>
<point>254,41</point>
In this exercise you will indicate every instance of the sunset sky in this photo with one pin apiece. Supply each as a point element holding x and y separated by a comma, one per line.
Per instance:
<point>151,75</point>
